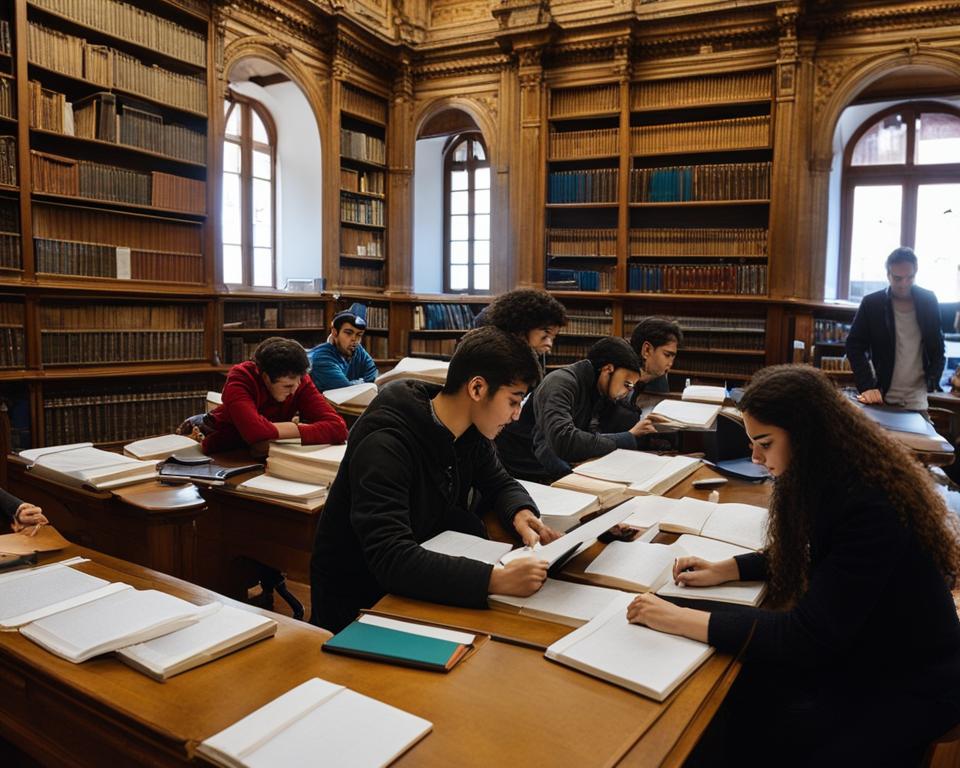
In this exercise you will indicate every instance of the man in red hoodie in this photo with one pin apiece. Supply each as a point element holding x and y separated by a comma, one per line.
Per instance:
<point>268,398</point>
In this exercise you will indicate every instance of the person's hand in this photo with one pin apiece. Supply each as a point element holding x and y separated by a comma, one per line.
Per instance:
<point>520,577</point>
<point>870,397</point>
<point>648,424</point>
<point>663,616</point>
<point>696,572</point>
<point>532,530</point>
<point>28,515</point>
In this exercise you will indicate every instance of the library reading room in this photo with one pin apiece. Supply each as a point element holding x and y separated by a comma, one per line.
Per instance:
<point>537,382</point>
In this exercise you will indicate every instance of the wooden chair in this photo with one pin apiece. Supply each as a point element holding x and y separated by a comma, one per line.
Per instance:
<point>944,752</point>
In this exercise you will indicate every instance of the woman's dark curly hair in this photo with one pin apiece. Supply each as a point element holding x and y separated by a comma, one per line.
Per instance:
<point>833,445</point>
<point>524,310</point>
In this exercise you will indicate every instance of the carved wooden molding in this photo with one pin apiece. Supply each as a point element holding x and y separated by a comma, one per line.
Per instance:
<point>481,108</point>
<point>462,65</point>
<point>283,18</point>
<point>878,18</point>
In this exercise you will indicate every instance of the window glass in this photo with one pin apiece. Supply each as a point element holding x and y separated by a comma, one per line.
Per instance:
<point>883,144</point>
<point>938,139</point>
<point>938,233</point>
<point>876,232</point>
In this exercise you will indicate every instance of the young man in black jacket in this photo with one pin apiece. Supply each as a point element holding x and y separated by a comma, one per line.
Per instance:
<point>412,459</point>
<point>570,401</point>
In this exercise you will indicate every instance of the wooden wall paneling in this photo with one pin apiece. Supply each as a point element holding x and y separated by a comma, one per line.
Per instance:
<point>623,193</point>
<point>20,27</point>
<point>401,142</point>
<point>531,160</point>
<point>216,88</point>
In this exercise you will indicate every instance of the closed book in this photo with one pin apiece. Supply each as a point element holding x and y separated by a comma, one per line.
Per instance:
<point>560,508</point>
<point>399,642</point>
<point>211,473</point>
<point>158,448</point>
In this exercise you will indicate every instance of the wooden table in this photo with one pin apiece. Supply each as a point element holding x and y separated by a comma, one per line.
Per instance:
<point>148,523</point>
<point>505,704</point>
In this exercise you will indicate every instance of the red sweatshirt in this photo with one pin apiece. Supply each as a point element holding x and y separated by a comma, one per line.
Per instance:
<point>249,411</point>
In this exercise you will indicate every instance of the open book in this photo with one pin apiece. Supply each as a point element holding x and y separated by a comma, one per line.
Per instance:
<point>687,415</point>
<point>741,524</point>
<point>737,592</point>
<point>560,508</point>
<point>118,619</point>
<point>430,371</point>
<point>638,658</point>
<point>457,544</point>
<point>355,394</point>
<point>608,494</point>
<point>81,464</point>
<point>316,723</point>
<point>159,448</point>
<point>704,394</point>
<point>317,464</point>
<point>221,629</point>
<point>645,472</point>
<point>560,601</point>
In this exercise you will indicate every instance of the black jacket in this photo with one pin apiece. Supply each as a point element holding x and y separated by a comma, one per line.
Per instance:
<point>9,504</point>
<point>619,416</point>
<point>403,480</point>
<point>873,339</point>
<point>567,409</point>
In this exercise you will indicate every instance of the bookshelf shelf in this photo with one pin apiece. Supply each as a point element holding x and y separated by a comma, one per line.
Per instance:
<point>353,257</point>
<point>131,207</point>
<point>570,206</point>
<point>115,146</point>
<point>7,119</point>
<point>711,374</point>
<point>582,158</point>
<point>361,225</point>
<point>559,118</point>
<point>347,160</point>
<point>720,102</point>
<point>361,117</point>
<point>368,195</point>
<point>713,351</point>
<point>704,151</point>
<point>699,203</point>
<point>694,257</point>
<point>275,331</point>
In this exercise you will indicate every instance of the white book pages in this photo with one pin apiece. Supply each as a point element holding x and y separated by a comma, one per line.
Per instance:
<point>221,629</point>
<point>569,542</point>
<point>457,544</point>
<point>92,466</point>
<point>711,550</point>
<point>40,592</point>
<point>563,602</point>
<point>317,723</point>
<point>608,493</point>
<point>688,414</point>
<point>327,456</point>
<point>743,524</point>
<point>677,468</point>
<point>687,515</point>
<point>355,394</point>
<point>32,454</point>
<point>704,393</point>
<point>647,511</point>
<point>423,630</point>
<point>277,487</point>
<point>213,400</point>
<point>560,504</point>
<point>635,565</point>
<point>159,447</point>
<point>623,466</point>
<point>115,621</point>
<point>298,471</point>
<point>638,658</point>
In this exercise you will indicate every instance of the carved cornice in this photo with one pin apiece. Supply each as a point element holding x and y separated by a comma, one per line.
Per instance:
<point>302,22</point>
<point>588,51</point>
<point>351,50</point>
<point>688,41</point>
<point>839,20</point>
<point>462,65</point>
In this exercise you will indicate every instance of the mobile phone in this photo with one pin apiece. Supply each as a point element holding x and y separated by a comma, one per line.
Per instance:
<point>709,482</point>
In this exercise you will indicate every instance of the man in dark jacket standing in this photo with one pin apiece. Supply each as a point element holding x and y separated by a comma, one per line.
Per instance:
<point>898,331</point>
<point>411,461</point>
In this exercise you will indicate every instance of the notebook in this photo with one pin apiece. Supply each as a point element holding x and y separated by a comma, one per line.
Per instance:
<point>221,629</point>
<point>457,544</point>
<point>563,602</point>
<point>430,371</point>
<point>560,508</point>
<point>317,723</point>
<point>158,448</point>
<point>686,414</point>
<point>741,524</point>
<point>629,655</point>
<point>355,394</point>
<point>379,638</point>
<point>33,593</point>
<point>124,617</point>
<point>645,472</point>
<point>81,464</point>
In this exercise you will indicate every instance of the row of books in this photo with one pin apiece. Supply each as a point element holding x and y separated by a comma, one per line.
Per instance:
<point>433,347</point>
<point>5,46</point>
<point>377,346</point>
<point>362,146</point>
<point>440,317</point>
<point>105,347</point>
<point>11,313</point>
<point>568,102</point>
<point>238,349</point>
<point>65,257</point>
<point>8,160</point>
<point>7,88</point>
<point>830,331</point>
<point>83,178</point>
<point>9,215</point>
<point>596,322</point>
<point>698,241</point>
<point>139,233</point>
<point>102,65</point>
<point>721,340</point>
<point>727,181</point>
<point>361,103</point>
<point>734,88</point>
<point>596,185</point>
<point>369,182</point>
<point>10,257</point>
<point>129,22</point>
<point>376,317</point>
<point>718,365</point>
<point>301,315</point>
<point>361,210</point>
<point>11,348</point>
<point>156,317</point>
<point>567,350</point>
<point>361,242</point>
<point>734,279</point>
<point>716,323</point>
<point>359,276</point>
<point>701,136</point>
<point>247,315</point>
<point>573,145</point>
<point>107,418</point>
<point>835,363</point>
<point>579,279</point>
<point>581,242</point>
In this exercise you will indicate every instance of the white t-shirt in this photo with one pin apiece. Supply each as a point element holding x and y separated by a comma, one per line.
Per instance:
<point>908,386</point>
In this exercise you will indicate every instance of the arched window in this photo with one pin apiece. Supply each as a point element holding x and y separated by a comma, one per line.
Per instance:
<point>901,186</point>
<point>249,173</point>
<point>466,215</point>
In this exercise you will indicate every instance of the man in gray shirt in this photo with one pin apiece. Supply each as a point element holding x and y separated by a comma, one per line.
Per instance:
<point>895,345</point>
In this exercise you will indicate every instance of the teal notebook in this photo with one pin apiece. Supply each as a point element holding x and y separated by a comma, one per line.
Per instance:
<point>382,644</point>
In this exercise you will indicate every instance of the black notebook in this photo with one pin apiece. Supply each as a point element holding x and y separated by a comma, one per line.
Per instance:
<point>211,474</point>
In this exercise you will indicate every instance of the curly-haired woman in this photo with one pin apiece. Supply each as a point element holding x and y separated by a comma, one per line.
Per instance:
<point>859,662</point>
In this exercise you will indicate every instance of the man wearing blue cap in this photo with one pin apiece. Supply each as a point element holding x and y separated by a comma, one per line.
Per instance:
<point>341,360</point>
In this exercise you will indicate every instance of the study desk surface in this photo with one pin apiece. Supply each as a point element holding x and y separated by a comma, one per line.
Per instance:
<point>504,704</point>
